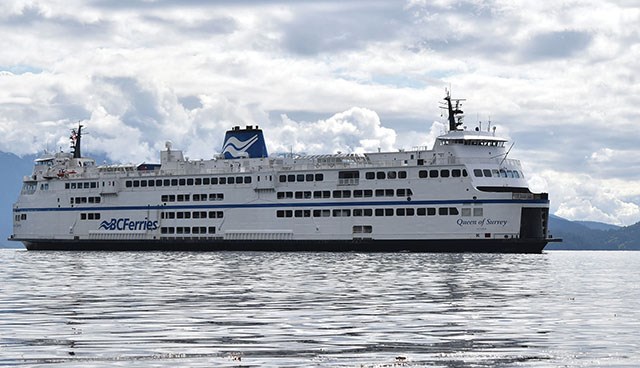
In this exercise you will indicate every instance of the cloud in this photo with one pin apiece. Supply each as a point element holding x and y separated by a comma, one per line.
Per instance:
<point>558,78</point>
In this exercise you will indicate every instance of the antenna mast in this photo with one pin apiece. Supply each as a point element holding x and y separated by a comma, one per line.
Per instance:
<point>454,120</point>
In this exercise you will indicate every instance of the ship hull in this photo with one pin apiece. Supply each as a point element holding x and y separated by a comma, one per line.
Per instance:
<point>424,246</point>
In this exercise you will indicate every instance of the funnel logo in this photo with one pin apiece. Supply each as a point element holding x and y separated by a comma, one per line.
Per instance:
<point>127,224</point>
<point>236,148</point>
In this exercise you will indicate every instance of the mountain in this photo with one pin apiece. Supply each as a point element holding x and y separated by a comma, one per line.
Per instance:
<point>578,235</point>
<point>594,225</point>
<point>13,169</point>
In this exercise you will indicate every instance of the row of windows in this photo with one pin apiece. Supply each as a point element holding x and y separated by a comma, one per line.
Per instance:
<point>358,193</point>
<point>195,197</point>
<point>442,173</point>
<point>385,175</point>
<point>194,214</point>
<point>81,185</point>
<point>292,178</point>
<point>362,229</point>
<point>188,230</point>
<point>495,173</point>
<point>80,200</point>
<point>367,212</point>
<point>89,216</point>
<point>20,217</point>
<point>187,181</point>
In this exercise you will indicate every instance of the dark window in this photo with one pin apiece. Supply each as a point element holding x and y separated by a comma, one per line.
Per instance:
<point>280,213</point>
<point>231,180</point>
<point>214,181</point>
<point>400,212</point>
<point>357,193</point>
<point>379,211</point>
<point>166,182</point>
<point>410,211</point>
<point>388,192</point>
<point>143,183</point>
<point>487,173</point>
<point>127,184</point>
<point>357,212</point>
<point>370,175</point>
<point>443,211</point>
<point>174,182</point>
<point>136,183</point>
<point>380,175</point>
<point>319,177</point>
<point>453,211</point>
<point>298,195</point>
<point>308,177</point>
<point>402,174</point>
<point>368,193</point>
<point>444,173</point>
<point>247,180</point>
<point>205,181</point>
<point>421,211</point>
<point>391,175</point>
<point>222,181</point>
<point>379,192</point>
<point>456,173</point>
<point>464,173</point>
<point>83,216</point>
<point>431,211</point>
<point>182,181</point>
<point>190,181</point>
<point>300,177</point>
<point>422,174</point>
<point>198,181</point>
<point>400,192</point>
<point>282,178</point>
<point>291,178</point>
<point>212,230</point>
<point>433,173</point>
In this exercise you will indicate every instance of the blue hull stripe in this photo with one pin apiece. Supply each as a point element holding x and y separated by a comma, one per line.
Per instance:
<point>285,205</point>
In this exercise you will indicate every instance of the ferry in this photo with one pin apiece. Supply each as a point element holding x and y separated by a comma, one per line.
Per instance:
<point>463,195</point>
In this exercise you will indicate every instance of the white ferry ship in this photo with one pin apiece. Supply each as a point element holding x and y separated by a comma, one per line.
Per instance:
<point>464,195</point>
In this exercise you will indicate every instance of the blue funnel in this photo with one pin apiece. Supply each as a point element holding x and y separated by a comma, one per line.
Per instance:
<point>244,143</point>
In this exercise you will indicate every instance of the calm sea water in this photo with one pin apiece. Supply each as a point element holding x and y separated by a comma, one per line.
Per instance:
<point>578,309</point>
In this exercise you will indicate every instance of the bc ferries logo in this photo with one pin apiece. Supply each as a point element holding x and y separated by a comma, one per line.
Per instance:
<point>237,148</point>
<point>127,224</point>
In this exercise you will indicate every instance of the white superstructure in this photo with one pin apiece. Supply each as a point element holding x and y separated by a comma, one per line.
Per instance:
<point>462,195</point>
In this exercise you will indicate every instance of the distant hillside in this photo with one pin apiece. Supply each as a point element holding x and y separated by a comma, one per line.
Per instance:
<point>13,169</point>
<point>593,225</point>
<point>577,235</point>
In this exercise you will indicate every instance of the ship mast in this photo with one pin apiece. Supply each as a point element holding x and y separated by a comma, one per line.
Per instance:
<point>76,135</point>
<point>452,112</point>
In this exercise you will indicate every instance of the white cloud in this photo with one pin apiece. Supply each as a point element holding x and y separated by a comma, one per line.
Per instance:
<point>560,78</point>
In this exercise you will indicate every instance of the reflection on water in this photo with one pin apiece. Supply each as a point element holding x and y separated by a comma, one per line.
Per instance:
<point>319,309</point>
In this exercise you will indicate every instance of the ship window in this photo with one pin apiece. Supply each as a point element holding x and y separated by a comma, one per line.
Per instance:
<point>503,173</point>
<point>379,211</point>
<point>477,212</point>
<point>127,184</point>
<point>179,230</point>
<point>319,177</point>
<point>357,212</point>
<point>94,184</point>
<point>298,195</point>
<point>136,183</point>
<point>152,183</point>
<point>222,181</point>
<point>280,195</point>
<point>231,180</point>
<point>431,211</point>
<point>195,230</point>
<point>487,173</point>
<point>422,173</point>
<point>421,211</point>
<point>388,192</point>
<point>239,179</point>
<point>212,229</point>
<point>283,178</point>
<point>379,192</point>
<point>401,192</point>
<point>66,186</point>
<point>291,178</point>
<point>443,211</point>
<point>380,175</point>
<point>456,173</point>
<point>444,173</point>
<point>464,173</point>
<point>180,215</point>
<point>357,193</point>
<point>214,181</point>
<point>370,175</point>
<point>190,181</point>
<point>495,173</point>
<point>433,173</point>
<point>174,182</point>
<point>516,174</point>
<point>321,213</point>
<point>83,216</point>
<point>391,175</point>
<point>466,212</point>
<point>172,230</point>
<point>400,212</point>
<point>198,181</point>
<point>143,183</point>
<point>308,177</point>
<point>368,193</point>
<point>300,177</point>
<point>86,185</point>
<point>73,185</point>
<point>247,180</point>
<point>453,211</point>
<point>205,181</point>
<point>182,181</point>
<point>341,213</point>
<point>402,174</point>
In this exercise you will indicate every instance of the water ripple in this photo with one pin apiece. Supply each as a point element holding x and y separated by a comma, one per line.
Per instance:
<point>319,309</point>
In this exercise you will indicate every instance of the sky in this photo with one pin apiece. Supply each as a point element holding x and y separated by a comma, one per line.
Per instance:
<point>561,79</point>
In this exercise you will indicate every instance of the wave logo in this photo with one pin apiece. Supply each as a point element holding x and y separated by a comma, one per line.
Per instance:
<point>127,224</point>
<point>237,148</point>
